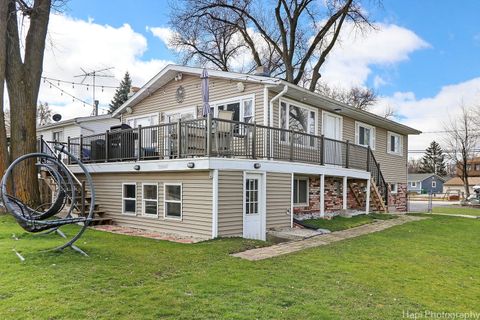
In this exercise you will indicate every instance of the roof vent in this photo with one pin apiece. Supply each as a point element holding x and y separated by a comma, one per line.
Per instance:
<point>262,71</point>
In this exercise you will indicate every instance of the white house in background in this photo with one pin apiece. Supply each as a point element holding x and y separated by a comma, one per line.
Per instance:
<point>60,131</point>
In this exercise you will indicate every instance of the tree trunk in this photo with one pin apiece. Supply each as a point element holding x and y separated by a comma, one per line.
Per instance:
<point>4,158</point>
<point>23,82</point>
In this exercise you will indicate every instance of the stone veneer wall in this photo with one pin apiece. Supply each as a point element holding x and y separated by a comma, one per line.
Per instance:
<point>398,201</point>
<point>333,198</point>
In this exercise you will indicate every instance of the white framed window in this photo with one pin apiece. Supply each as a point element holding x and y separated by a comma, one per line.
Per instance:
<point>413,184</point>
<point>297,117</point>
<point>300,191</point>
<point>434,184</point>
<point>394,143</point>
<point>184,114</point>
<point>144,120</point>
<point>243,108</point>
<point>172,201</point>
<point>393,188</point>
<point>150,199</point>
<point>129,198</point>
<point>365,135</point>
<point>57,136</point>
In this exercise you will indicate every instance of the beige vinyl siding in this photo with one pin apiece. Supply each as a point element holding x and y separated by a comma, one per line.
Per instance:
<point>394,167</point>
<point>164,99</point>
<point>279,193</point>
<point>230,203</point>
<point>196,206</point>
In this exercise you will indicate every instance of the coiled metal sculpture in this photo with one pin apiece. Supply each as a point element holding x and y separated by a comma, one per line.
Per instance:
<point>46,217</point>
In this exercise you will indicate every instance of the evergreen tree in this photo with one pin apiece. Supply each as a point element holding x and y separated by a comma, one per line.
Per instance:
<point>121,94</point>
<point>433,159</point>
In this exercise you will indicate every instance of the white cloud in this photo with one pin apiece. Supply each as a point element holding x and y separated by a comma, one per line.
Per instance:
<point>73,44</point>
<point>349,64</point>
<point>163,33</point>
<point>430,114</point>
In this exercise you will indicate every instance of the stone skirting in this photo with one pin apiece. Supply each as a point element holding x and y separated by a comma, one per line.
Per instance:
<point>398,201</point>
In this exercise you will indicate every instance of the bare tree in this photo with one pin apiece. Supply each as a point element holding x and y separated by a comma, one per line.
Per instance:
<point>358,97</point>
<point>44,114</point>
<point>460,141</point>
<point>413,165</point>
<point>4,157</point>
<point>23,75</point>
<point>291,37</point>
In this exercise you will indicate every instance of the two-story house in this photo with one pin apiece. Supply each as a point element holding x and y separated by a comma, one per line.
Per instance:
<point>267,152</point>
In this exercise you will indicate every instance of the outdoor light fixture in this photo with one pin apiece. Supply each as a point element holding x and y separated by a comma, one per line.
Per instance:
<point>337,109</point>
<point>257,165</point>
<point>191,165</point>
<point>136,167</point>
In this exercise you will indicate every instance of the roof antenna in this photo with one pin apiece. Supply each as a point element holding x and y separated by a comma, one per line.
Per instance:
<point>93,74</point>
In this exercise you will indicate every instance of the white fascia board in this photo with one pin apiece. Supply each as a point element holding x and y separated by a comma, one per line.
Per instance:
<point>222,164</point>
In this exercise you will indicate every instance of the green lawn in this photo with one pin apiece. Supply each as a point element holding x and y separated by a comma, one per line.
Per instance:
<point>340,223</point>
<point>432,264</point>
<point>457,210</point>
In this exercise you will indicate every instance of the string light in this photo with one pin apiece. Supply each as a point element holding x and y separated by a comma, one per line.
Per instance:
<point>66,93</point>
<point>60,81</point>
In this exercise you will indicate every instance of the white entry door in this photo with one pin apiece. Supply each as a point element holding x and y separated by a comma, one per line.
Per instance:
<point>332,129</point>
<point>253,207</point>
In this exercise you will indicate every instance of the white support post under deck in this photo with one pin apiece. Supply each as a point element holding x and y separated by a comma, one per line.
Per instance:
<point>367,201</point>
<point>322,195</point>
<point>345,193</point>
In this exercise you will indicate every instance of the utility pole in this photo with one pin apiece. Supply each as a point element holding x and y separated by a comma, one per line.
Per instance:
<point>94,74</point>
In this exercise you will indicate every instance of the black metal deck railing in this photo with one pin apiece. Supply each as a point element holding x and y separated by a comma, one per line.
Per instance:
<point>212,137</point>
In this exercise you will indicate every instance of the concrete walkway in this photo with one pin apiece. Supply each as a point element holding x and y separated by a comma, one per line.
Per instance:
<point>294,246</point>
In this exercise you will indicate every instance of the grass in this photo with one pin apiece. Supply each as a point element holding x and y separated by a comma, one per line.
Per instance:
<point>457,210</point>
<point>341,223</point>
<point>432,264</point>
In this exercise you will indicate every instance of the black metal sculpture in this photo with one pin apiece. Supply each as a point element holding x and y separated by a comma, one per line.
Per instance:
<point>46,218</point>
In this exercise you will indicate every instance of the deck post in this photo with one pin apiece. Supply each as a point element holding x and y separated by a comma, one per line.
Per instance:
<point>179,138</point>
<point>140,142</point>
<point>254,141</point>
<point>322,195</point>
<point>367,197</point>
<point>68,149</point>
<point>322,150</point>
<point>291,145</point>
<point>81,147</point>
<point>368,158</point>
<point>378,173</point>
<point>107,144</point>
<point>209,135</point>
<point>345,193</point>
<point>347,154</point>
<point>41,143</point>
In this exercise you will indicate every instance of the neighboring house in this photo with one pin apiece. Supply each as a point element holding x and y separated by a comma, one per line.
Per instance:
<point>425,183</point>
<point>455,185</point>
<point>281,152</point>
<point>473,168</point>
<point>60,131</point>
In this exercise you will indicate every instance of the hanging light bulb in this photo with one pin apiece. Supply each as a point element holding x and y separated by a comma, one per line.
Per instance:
<point>102,88</point>
<point>59,83</point>
<point>87,87</point>
<point>73,85</point>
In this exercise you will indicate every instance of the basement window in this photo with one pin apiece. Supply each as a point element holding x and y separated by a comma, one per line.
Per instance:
<point>300,192</point>
<point>393,188</point>
<point>129,198</point>
<point>149,199</point>
<point>172,201</point>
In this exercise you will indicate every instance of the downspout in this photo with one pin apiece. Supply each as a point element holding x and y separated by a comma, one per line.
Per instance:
<point>270,113</point>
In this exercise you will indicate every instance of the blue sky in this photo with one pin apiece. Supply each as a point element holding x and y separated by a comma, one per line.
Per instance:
<point>450,27</point>
<point>422,60</point>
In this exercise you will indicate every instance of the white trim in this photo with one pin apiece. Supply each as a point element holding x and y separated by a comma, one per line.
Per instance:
<point>143,199</point>
<point>204,164</point>
<point>165,184</point>
<point>290,102</point>
<point>302,204</point>
<point>123,198</point>
<point>434,184</point>
<point>291,201</point>
<point>322,195</point>
<point>389,143</point>
<point>373,134</point>
<point>215,203</point>
<point>367,202</point>
<point>265,107</point>
<point>153,114</point>
<point>413,184</point>
<point>333,115</point>
<point>345,193</point>
<point>180,111</point>
<point>392,191</point>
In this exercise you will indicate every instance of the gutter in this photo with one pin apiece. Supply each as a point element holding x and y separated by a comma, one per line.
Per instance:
<point>270,106</point>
